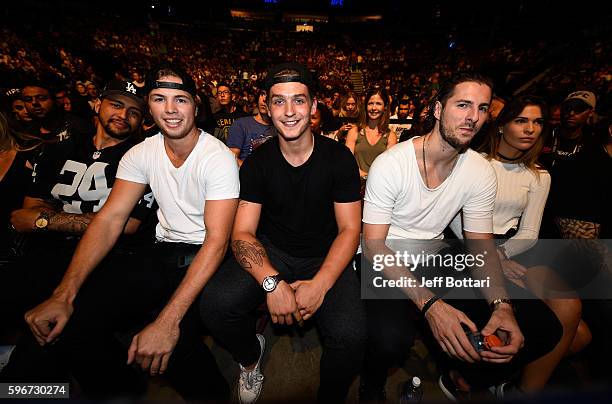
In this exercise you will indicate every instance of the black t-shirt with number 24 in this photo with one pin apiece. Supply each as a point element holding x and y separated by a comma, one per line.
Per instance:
<point>76,177</point>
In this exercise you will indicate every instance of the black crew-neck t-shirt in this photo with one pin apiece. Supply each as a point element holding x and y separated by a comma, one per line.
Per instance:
<point>297,212</point>
<point>578,189</point>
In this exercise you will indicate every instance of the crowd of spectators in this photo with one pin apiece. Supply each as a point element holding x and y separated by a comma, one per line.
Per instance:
<point>413,67</point>
<point>65,66</point>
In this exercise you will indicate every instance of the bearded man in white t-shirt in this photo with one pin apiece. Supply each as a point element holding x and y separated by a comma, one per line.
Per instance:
<point>194,178</point>
<point>414,190</point>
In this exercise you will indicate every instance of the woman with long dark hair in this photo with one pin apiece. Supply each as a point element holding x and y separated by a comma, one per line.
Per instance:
<point>513,145</point>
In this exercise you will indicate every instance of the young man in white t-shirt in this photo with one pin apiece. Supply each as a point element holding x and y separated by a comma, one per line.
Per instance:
<point>413,192</point>
<point>194,178</point>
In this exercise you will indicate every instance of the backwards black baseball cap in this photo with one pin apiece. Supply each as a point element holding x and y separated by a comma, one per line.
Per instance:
<point>289,73</point>
<point>152,81</point>
<point>125,88</point>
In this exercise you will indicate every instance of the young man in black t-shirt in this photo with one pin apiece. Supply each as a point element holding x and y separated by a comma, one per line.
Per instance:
<point>296,231</point>
<point>577,168</point>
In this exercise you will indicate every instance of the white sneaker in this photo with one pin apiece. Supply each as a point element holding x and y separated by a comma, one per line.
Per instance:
<point>251,381</point>
<point>5,355</point>
<point>508,390</point>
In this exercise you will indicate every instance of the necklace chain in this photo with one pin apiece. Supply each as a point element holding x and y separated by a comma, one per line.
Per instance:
<point>425,163</point>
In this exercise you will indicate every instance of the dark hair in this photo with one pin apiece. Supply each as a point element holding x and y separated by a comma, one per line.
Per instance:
<point>510,111</point>
<point>417,124</point>
<point>447,89</point>
<point>602,134</point>
<point>224,84</point>
<point>36,83</point>
<point>337,105</point>
<point>327,117</point>
<point>383,122</point>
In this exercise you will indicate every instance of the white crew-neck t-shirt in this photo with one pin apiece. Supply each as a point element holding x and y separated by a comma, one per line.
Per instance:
<point>397,195</point>
<point>209,173</point>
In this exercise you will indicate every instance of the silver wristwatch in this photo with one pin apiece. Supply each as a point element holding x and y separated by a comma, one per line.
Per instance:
<point>270,282</point>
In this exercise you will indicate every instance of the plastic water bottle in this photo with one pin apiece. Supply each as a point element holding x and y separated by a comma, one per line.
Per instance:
<point>411,392</point>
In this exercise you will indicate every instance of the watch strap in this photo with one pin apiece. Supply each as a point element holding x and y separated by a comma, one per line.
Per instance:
<point>428,304</point>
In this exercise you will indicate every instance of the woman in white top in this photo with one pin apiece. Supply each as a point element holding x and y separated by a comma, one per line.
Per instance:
<point>513,146</point>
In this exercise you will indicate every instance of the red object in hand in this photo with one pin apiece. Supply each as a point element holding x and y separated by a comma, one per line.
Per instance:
<point>491,341</point>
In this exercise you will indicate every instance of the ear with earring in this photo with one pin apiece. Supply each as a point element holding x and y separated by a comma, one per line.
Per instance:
<point>500,131</point>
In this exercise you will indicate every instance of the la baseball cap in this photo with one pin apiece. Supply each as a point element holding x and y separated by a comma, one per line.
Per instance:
<point>125,88</point>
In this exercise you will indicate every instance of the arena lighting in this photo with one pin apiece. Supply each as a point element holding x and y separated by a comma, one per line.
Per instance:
<point>336,3</point>
<point>304,28</point>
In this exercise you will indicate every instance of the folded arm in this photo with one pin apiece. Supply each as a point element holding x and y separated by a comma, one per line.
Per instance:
<point>310,294</point>
<point>252,257</point>
<point>74,223</point>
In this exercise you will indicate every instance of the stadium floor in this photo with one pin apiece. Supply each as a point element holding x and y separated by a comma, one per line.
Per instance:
<point>292,361</point>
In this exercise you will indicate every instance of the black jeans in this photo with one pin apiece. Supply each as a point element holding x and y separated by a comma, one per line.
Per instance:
<point>124,294</point>
<point>230,298</point>
<point>392,325</point>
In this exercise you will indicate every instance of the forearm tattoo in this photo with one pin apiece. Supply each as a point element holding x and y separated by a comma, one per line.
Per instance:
<point>74,223</point>
<point>248,254</point>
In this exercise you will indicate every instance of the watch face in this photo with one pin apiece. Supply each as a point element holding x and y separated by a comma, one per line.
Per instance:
<point>41,222</point>
<point>269,284</point>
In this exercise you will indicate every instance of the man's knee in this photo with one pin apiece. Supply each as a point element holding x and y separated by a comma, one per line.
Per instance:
<point>219,303</point>
<point>348,339</point>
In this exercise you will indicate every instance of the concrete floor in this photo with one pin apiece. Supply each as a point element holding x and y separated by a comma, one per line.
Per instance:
<point>291,368</point>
